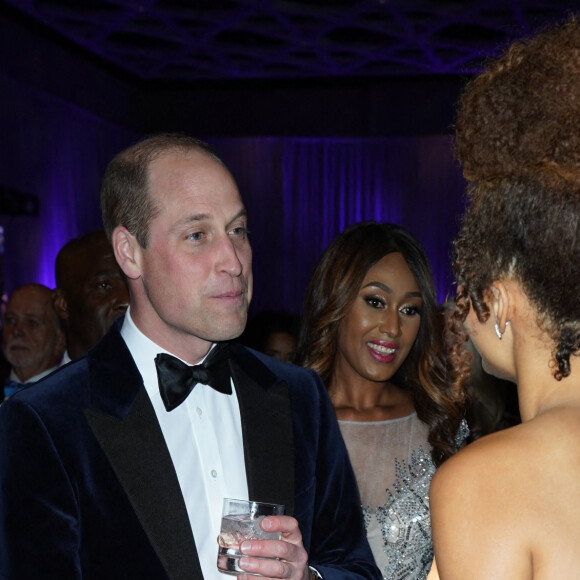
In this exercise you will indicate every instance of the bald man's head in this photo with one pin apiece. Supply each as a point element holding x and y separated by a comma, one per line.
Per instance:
<point>32,337</point>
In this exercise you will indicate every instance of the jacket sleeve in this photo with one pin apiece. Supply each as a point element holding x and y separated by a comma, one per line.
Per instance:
<point>327,500</point>
<point>39,535</point>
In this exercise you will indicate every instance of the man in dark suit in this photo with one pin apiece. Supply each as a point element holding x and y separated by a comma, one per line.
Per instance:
<point>117,467</point>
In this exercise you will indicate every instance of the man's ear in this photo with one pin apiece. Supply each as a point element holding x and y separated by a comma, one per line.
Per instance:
<point>127,250</point>
<point>60,304</point>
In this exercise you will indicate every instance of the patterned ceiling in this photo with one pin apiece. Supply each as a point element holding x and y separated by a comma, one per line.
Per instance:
<point>192,40</point>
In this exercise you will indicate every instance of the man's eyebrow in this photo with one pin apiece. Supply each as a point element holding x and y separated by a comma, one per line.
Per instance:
<point>110,272</point>
<point>190,219</point>
<point>388,290</point>
<point>242,213</point>
<point>197,217</point>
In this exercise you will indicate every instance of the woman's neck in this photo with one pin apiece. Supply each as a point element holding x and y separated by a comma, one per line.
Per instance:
<point>539,391</point>
<point>369,401</point>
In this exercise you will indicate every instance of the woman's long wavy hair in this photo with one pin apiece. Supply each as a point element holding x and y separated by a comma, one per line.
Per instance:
<point>426,373</point>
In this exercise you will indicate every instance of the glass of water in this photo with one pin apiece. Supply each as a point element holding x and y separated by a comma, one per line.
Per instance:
<point>241,521</point>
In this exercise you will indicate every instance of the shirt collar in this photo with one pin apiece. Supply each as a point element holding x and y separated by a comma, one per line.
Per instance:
<point>33,379</point>
<point>144,350</point>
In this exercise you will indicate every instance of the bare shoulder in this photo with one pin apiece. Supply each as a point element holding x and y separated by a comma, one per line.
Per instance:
<point>475,461</point>
<point>516,452</point>
<point>492,503</point>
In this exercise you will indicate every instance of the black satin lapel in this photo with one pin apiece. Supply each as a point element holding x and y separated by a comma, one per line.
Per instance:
<point>139,456</point>
<point>268,442</point>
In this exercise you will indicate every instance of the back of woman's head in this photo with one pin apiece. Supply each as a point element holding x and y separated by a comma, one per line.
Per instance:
<point>520,119</point>
<point>518,139</point>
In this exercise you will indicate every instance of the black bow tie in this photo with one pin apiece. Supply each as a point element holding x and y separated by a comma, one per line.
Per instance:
<point>177,379</point>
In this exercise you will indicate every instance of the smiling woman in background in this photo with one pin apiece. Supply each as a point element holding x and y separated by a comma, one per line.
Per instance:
<point>372,329</point>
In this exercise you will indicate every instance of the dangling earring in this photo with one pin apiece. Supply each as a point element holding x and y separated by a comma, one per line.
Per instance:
<point>498,331</point>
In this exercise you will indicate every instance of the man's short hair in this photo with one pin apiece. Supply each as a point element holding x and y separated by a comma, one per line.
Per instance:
<point>125,198</point>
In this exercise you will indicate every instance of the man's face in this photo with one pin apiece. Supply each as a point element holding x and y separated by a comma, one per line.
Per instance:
<point>32,339</point>
<point>96,295</point>
<point>193,283</point>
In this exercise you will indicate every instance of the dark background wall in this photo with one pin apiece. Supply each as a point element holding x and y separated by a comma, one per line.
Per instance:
<point>64,114</point>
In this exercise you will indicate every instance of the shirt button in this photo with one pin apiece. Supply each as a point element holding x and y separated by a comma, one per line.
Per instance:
<point>213,473</point>
<point>199,411</point>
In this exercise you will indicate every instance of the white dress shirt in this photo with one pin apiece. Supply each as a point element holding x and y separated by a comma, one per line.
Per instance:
<point>13,376</point>
<point>204,438</point>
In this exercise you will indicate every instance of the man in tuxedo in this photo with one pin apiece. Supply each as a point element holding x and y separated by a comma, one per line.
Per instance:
<point>119,466</point>
<point>32,338</point>
<point>91,292</point>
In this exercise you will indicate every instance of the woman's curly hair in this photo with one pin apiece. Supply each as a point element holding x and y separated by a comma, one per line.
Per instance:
<point>518,140</point>
<point>426,372</point>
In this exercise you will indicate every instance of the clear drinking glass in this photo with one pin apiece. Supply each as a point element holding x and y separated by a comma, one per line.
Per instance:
<point>241,521</point>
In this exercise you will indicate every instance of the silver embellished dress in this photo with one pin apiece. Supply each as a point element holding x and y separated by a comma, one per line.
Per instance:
<point>393,467</point>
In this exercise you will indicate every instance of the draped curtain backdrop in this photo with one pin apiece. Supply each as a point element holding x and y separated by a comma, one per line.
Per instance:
<point>299,192</point>
<point>57,152</point>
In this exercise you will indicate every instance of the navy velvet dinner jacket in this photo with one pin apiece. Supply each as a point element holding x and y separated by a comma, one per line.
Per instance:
<point>88,488</point>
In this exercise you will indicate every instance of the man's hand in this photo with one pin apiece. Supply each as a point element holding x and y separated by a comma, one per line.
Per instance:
<point>292,559</point>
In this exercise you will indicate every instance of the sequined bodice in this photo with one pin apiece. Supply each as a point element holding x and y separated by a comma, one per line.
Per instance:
<point>393,467</point>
